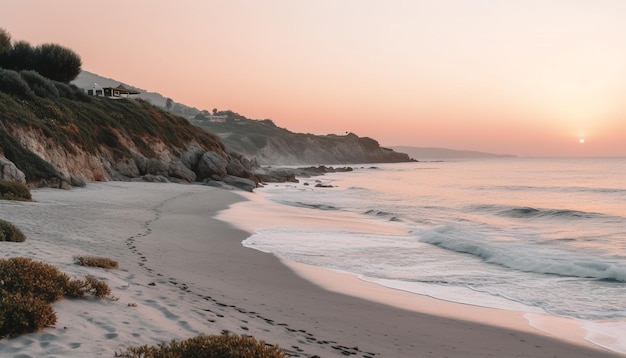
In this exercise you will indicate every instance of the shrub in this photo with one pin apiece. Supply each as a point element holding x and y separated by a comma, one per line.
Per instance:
<point>9,232</point>
<point>40,85</point>
<point>23,313</point>
<point>72,92</point>
<point>5,40</point>
<point>91,285</point>
<point>12,83</point>
<point>76,288</point>
<point>10,190</point>
<point>94,261</point>
<point>203,346</point>
<point>23,275</point>
<point>27,288</point>
<point>96,287</point>
<point>20,57</point>
<point>57,62</point>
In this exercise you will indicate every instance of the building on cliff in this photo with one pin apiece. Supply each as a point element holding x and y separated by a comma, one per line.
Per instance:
<point>113,92</point>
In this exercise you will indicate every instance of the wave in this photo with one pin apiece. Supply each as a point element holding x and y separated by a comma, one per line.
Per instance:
<point>557,189</point>
<point>528,212</point>
<point>382,214</point>
<point>308,205</point>
<point>522,212</point>
<point>523,258</point>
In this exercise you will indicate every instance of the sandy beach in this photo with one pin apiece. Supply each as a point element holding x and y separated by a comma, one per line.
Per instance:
<point>184,272</point>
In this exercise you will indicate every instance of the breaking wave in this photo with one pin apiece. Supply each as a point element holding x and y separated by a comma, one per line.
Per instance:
<point>514,256</point>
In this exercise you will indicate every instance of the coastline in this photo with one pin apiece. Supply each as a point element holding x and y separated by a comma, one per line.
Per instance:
<point>267,214</point>
<point>187,272</point>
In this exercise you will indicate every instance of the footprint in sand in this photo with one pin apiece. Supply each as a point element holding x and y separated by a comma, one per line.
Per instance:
<point>74,345</point>
<point>110,335</point>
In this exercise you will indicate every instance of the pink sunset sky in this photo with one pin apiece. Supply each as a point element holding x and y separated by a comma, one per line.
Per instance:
<point>521,77</point>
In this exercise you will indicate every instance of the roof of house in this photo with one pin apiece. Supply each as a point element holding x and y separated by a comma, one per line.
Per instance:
<point>123,90</point>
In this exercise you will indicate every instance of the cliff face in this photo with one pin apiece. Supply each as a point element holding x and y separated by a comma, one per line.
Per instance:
<point>67,138</point>
<point>267,143</point>
<point>271,145</point>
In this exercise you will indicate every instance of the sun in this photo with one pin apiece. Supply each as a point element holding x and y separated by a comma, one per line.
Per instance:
<point>581,140</point>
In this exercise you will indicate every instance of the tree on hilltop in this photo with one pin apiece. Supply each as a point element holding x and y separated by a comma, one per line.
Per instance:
<point>5,40</point>
<point>57,62</point>
<point>50,60</point>
<point>20,57</point>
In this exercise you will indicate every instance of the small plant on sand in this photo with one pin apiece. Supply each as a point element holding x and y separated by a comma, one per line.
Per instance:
<point>23,313</point>
<point>23,275</point>
<point>9,232</point>
<point>93,261</point>
<point>91,285</point>
<point>203,346</point>
<point>10,190</point>
<point>27,289</point>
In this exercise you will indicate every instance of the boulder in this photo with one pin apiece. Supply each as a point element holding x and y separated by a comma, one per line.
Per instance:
<point>211,165</point>
<point>77,181</point>
<point>140,162</point>
<point>192,156</point>
<point>241,183</point>
<point>9,172</point>
<point>155,178</point>
<point>178,170</point>
<point>234,167</point>
<point>128,168</point>
<point>275,175</point>
<point>156,167</point>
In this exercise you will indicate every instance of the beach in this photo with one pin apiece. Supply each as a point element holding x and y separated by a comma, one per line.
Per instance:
<point>184,272</point>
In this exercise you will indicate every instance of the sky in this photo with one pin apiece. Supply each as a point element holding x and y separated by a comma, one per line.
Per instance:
<point>524,77</point>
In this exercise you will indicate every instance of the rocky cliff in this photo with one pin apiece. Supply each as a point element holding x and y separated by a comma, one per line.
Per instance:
<point>265,142</point>
<point>271,145</point>
<point>53,134</point>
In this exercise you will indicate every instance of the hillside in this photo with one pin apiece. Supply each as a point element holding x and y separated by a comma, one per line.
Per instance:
<point>87,80</point>
<point>53,134</point>
<point>269,144</point>
<point>422,153</point>
<point>263,141</point>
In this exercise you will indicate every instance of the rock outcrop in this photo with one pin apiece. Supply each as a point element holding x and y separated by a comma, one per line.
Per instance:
<point>68,141</point>
<point>268,144</point>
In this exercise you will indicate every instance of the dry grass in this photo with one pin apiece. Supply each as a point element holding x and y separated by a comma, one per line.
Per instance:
<point>202,346</point>
<point>94,261</point>
<point>10,190</point>
<point>27,289</point>
<point>9,232</point>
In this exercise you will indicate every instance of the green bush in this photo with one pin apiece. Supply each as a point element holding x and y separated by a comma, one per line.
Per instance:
<point>94,261</point>
<point>57,62</point>
<point>10,190</point>
<point>203,346</point>
<point>9,232</point>
<point>5,40</point>
<point>40,85</point>
<point>12,83</point>
<point>23,313</point>
<point>71,92</point>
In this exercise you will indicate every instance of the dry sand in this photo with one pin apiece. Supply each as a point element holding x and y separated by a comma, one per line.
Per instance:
<point>187,273</point>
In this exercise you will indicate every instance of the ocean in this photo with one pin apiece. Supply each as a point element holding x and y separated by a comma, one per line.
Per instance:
<point>535,235</point>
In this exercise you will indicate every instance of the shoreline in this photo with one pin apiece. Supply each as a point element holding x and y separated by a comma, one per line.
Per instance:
<point>184,271</point>
<point>564,329</point>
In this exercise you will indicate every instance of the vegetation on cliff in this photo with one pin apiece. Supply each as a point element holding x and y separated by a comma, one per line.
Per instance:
<point>41,117</point>
<point>262,140</point>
